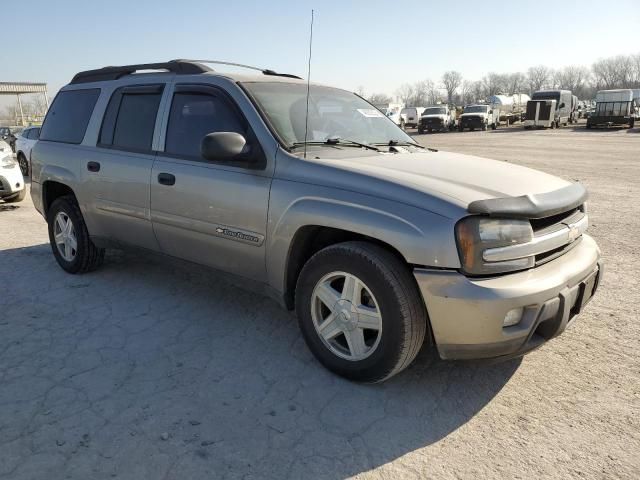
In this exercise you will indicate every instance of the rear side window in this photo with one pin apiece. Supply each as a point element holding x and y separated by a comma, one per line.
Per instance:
<point>194,115</point>
<point>69,116</point>
<point>130,118</point>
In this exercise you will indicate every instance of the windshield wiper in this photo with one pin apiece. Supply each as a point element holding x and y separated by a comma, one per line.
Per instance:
<point>398,143</point>
<point>337,141</point>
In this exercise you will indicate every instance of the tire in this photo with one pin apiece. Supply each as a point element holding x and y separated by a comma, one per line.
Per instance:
<point>87,256</point>
<point>429,130</point>
<point>493,126</point>
<point>527,127</point>
<point>460,129</point>
<point>24,164</point>
<point>420,130</point>
<point>632,123</point>
<point>18,197</point>
<point>394,294</point>
<point>471,129</point>
<point>588,125</point>
<point>484,127</point>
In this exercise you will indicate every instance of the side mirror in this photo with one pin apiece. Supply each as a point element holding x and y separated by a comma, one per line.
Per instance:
<point>220,146</point>
<point>561,105</point>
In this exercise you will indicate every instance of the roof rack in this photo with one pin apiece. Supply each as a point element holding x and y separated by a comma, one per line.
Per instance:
<point>180,67</point>
<point>264,71</point>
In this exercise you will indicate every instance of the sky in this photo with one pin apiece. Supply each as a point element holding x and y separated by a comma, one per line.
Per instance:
<point>377,45</point>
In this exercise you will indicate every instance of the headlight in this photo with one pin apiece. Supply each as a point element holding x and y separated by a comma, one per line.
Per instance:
<point>476,234</point>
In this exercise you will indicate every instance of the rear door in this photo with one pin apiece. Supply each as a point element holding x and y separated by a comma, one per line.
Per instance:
<point>210,212</point>
<point>117,172</point>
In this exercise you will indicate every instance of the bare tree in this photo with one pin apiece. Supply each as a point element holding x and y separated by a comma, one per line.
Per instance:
<point>493,84</point>
<point>605,73</point>
<point>379,98</point>
<point>515,83</point>
<point>360,91</point>
<point>572,78</point>
<point>451,81</point>
<point>466,92</point>
<point>537,77</point>
<point>406,93</point>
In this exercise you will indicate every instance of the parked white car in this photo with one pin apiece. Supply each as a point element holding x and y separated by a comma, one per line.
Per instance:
<point>12,187</point>
<point>24,143</point>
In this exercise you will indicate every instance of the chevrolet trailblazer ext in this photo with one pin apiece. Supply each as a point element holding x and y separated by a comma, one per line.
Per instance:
<point>377,242</point>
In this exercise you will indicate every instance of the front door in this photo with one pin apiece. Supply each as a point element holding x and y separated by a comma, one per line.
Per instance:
<point>210,212</point>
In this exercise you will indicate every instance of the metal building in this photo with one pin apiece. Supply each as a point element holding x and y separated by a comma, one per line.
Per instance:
<point>23,88</point>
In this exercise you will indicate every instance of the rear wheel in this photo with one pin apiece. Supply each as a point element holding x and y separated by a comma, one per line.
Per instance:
<point>360,311</point>
<point>420,130</point>
<point>24,164</point>
<point>632,122</point>
<point>73,249</point>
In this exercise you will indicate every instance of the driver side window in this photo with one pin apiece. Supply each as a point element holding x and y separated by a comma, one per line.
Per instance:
<point>194,115</point>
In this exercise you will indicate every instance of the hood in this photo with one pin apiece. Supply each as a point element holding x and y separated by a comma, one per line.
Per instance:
<point>453,179</point>
<point>441,116</point>
<point>475,114</point>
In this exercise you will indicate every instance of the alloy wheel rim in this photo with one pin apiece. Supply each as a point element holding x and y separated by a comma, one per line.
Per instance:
<point>346,316</point>
<point>64,234</point>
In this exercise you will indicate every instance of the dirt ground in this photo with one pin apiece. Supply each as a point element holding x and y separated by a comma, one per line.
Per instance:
<point>149,370</point>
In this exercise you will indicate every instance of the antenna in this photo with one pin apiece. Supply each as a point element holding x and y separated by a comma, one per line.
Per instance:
<point>306,117</point>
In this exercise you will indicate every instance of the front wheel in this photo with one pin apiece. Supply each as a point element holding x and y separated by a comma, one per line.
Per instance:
<point>24,164</point>
<point>360,311</point>
<point>632,122</point>
<point>420,130</point>
<point>73,249</point>
<point>493,126</point>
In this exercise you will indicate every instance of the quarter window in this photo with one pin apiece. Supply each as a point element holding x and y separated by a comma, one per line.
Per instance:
<point>69,116</point>
<point>194,115</point>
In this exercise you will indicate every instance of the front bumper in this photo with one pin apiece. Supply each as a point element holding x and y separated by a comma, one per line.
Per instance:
<point>472,122</point>
<point>467,314</point>
<point>434,124</point>
<point>11,180</point>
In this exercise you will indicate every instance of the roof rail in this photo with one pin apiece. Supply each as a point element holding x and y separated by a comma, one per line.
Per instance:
<point>179,67</point>
<point>264,71</point>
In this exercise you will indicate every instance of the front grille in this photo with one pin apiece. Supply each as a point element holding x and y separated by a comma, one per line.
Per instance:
<point>543,225</point>
<point>555,223</point>
<point>431,121</point>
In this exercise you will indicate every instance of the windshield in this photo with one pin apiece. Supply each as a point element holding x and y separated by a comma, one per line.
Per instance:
<point>434,111</point>
<point>476,109</point>
<point>333,113</point>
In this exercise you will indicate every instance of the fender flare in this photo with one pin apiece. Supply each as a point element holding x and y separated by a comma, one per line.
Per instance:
<point>409,239</point>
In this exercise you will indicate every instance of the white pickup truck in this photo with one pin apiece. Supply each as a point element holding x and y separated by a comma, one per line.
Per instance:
<point>480,117</point>
<point>439,117</point>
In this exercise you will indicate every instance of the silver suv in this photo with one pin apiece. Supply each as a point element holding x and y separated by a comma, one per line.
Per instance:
<point>317,199</point>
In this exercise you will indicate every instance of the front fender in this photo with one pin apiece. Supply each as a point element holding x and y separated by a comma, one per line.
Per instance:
<point>421,237</point>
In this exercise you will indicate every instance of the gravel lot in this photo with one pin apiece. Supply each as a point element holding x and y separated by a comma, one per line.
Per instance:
<point>149,370</point>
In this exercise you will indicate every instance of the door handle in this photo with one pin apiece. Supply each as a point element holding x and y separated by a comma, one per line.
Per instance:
<point>166,179</point>
<point>93,166</point>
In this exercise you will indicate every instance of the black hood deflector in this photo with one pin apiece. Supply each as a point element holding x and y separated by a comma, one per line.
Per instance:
<point>532,206</point>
